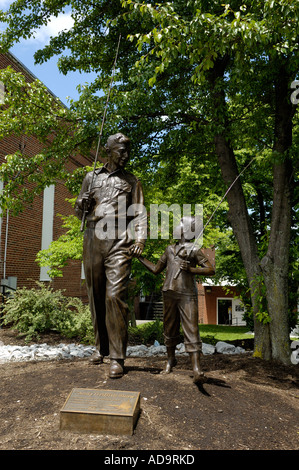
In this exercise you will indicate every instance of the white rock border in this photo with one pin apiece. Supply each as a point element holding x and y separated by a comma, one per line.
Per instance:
<point>44,352</point>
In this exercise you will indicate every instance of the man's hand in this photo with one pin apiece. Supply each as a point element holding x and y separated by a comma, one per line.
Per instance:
<point>136,249</point>
<point>86,201</point>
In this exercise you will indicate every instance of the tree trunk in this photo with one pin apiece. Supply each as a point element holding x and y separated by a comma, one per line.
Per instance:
<point>275,264</point>
<point>241,224</point>
<point>271,338</point>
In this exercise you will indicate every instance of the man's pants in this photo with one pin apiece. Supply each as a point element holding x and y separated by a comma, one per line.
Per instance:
<point>181,308</point>
<point>107,267</point>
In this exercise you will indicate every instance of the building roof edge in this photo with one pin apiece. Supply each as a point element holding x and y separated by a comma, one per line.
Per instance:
<point>33,76</point>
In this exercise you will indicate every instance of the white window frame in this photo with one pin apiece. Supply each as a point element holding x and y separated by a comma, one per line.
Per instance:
<point>236,317</point>
<point>47,226</point>
<point>2,92</point>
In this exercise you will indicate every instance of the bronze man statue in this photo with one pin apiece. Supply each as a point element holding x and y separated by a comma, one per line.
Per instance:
<point>180,301</point>
<point>109,247</point>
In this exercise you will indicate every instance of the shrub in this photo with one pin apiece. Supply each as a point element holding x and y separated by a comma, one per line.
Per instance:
<point>146,333</point>
<point>81,327</point>
<point>38,310</point>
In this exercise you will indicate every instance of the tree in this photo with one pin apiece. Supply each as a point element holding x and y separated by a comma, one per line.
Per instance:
<point>200,83</point>
<point>29,109</point>
<point>256,40</point>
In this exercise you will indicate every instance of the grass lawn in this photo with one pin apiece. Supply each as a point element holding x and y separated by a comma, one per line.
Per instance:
<point>150,331</point>
<point>224,333</point>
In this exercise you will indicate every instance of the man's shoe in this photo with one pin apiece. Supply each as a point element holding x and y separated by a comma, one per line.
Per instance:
<point>116,368</point>
<point>96,358</point>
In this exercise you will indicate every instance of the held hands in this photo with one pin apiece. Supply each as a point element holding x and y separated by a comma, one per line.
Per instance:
<point>136,249</point>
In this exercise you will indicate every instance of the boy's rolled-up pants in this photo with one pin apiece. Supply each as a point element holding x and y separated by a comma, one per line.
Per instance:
<point>181,309</point>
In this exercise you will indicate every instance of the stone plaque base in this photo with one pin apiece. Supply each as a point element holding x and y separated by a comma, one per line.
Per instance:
<point>100,411</point>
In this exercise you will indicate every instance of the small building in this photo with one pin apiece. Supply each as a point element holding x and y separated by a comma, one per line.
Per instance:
<point>219,302</point>
<point>220,305</point>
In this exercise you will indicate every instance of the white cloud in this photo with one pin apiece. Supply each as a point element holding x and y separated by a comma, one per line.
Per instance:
<point>4,4</point>
<point>64,21</point>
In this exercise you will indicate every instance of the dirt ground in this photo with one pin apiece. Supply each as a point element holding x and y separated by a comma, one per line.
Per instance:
<point>245,404</point>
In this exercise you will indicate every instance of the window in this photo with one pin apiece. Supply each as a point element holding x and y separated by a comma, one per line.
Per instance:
<point>2,92</point>
<point>47,227</point>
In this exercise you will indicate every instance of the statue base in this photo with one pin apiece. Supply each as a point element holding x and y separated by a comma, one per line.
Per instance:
<point>100,411</point>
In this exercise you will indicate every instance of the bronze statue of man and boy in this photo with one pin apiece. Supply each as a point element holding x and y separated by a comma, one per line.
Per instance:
<point>105,196</point>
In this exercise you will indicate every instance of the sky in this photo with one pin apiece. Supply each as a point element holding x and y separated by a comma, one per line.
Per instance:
<point>62,86</point>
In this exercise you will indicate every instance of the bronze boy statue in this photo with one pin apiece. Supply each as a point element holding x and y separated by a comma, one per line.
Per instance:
<point>180,301</point>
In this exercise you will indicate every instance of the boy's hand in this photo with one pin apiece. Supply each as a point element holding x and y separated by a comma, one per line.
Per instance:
<point>185,265</point>
<point>136,249</point>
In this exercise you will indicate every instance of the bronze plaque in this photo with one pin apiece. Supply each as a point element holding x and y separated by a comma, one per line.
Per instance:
<point>101,411</point>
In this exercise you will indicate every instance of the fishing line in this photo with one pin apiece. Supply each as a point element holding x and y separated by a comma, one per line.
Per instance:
<point>211,217</point>
<point>101,132</point>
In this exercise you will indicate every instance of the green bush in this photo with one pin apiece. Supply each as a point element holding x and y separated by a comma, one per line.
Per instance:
<point>38,310</point>
<point>82,327</point>
<point>146,333</point>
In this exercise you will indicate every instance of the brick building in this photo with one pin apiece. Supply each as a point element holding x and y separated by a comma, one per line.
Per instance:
<point>219,305</point>
<point>22,236</point>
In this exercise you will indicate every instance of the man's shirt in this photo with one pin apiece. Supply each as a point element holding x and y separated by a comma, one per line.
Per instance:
<point>117,197</point>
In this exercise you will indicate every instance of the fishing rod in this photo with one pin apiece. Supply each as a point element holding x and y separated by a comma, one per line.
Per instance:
<point>211,217</point>
<point>85,211</point>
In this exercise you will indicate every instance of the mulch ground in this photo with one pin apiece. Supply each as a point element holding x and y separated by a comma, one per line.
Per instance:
<point>245,404</point>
